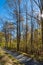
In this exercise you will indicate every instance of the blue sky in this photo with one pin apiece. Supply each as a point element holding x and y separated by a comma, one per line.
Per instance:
<point>4,12</point>
<point>1,10</point>
<point>2,2</point>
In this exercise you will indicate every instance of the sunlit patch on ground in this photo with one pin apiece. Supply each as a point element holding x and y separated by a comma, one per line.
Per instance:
<point>7,59</point>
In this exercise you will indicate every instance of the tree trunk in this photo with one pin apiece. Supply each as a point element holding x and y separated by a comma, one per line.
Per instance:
<point>42,21</point>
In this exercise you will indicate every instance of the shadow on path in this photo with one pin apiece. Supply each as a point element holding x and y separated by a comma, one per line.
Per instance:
<point>23,59</point>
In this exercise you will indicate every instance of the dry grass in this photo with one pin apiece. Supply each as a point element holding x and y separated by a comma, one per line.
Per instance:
<point>7,59</point>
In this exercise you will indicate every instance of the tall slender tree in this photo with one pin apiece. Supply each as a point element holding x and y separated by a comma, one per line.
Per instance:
<point>42,20</point>
<point>15,4</point>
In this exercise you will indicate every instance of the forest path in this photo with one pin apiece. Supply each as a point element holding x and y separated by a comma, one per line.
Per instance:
<point>23,58</point>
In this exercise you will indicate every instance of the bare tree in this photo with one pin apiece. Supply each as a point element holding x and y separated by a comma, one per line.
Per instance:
<point>16,13</point>
<point>42,20</point>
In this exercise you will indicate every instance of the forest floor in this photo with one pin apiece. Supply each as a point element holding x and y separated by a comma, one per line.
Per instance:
<point>7,59</point>
<point>14,58</point>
